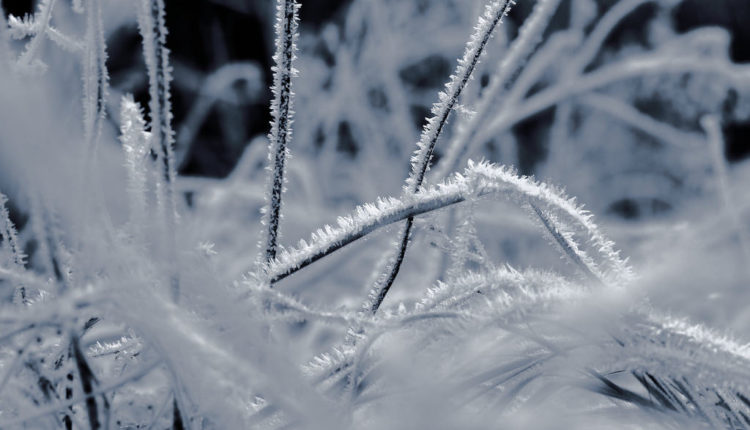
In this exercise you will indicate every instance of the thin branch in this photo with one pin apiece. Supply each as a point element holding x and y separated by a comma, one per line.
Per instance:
<point>281,129</point>
<point>528,38</point>
<point>420,161</point>
<point>152,26</point>
<point>284,265</point>
<point>478,180</point>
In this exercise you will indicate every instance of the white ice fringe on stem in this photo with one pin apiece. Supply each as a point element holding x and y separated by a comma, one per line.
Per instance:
<point>478,180</point>
<point>151,23</point>
<point>483,31</point>
<point>420,161</point>
<point>528,38</point>
<point>281,125</point>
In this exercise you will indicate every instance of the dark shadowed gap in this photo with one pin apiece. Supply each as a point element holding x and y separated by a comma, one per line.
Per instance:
<point>17,7</point>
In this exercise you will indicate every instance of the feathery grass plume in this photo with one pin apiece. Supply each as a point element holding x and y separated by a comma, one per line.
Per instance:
<point>502,297</point>
<point>508,339</point>
<point>684,369</point>
<point>487,23</point>
<point>529,36</point>
<point>136,143</point>
<point>479,179</point>
<point>152,26</point>
<point>281,125</point>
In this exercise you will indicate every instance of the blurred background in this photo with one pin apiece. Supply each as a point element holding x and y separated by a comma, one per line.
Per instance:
<point>371,69</point>
<point>206,34</point>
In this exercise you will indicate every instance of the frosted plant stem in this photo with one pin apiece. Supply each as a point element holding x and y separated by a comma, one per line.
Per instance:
<point>478,180</point>
<point>277,271</point>
<point>281,126</point>
<point>95,91</point>
<point>420,161</point>
<point>151,23</point>
<point>567,247</point>
<point>528,38</point>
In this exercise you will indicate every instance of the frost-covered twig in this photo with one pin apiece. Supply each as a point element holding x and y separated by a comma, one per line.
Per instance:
<point>529,36</point>
<point>478,180</point>
<point>151,23</point>
<point>95,79</point>
<point>281,126</point>
<point>568,246</point>
<point>420,161</point>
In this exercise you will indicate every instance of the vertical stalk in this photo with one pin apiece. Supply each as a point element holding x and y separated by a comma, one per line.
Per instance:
<point>151,23</point>
<point>281,130</point>
<point>494,13</point>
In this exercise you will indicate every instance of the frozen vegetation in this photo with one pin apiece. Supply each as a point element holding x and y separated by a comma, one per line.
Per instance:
<point>381,256</point>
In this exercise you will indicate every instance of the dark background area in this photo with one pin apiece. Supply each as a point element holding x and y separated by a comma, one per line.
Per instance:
<point>204,34</point>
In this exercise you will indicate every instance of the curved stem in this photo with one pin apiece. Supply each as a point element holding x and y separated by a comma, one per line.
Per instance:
<point>493,16</point>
